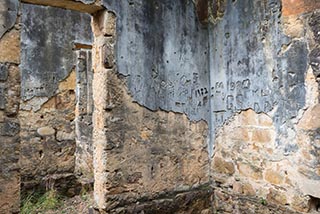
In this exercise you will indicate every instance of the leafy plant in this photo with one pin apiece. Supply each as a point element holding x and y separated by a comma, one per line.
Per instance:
<point>263,201</point>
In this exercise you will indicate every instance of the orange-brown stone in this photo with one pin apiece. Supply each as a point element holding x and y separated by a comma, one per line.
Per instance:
<point>311,118</point>
<point>261,136</point>
<point>222,166</point>
<point>10,42</point>
<point>274,177</point>
<point>295,7</point>
<point>247,170</point>
<point>244,189</point>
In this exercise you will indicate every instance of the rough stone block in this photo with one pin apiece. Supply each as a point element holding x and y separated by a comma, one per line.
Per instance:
<point>109,24</point>
<point>274,177</point>
<point>261,136</point>
<point>222,166</point>
<point>311,118</point>
<point>105,24</point>
<point>10,42</point>
<point>2,97</point>
<point>276,197</point>
<point>9,128</point>
<point>243,189</point>
<point>250,171</point>
<point>10,194</point>
<point>3,72</point>
<point>296,7</point>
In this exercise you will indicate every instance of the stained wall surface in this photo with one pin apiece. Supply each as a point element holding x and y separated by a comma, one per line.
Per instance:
<point>192,106</point>
<point>52,84</point>
<point>263,93</point>
<point>146,156</point>
<point>257,89</point>
<point>163,49</point>
<point>9,106</point>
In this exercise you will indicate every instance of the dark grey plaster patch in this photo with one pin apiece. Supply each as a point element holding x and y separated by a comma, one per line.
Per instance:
<point>3,72</point>
<point>163,50</point>
<point>8,15</point>
<point>47,39</point>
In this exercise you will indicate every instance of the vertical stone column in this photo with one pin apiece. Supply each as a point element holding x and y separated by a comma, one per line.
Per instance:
<point>103,52</point>
<point>83,121</point>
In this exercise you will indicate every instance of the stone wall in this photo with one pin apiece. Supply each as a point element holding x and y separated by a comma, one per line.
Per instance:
<point>148,159</point>
<point>9,105</point>
<point>251,81</point>
<point>168,107</point>
<point>52,93</point>
<point>269,156</point>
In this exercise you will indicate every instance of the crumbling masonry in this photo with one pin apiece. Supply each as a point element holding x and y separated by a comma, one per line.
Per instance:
<point>185,106</point>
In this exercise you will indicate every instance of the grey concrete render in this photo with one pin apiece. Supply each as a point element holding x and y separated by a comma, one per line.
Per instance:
<point>249,69</point>
<point>47,55</point>
<point>8,15</point>
<point>163,50</point>
<point>174,63</point>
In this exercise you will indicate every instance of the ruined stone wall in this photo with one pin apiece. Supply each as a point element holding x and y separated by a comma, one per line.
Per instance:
<point>148,159</point>
<point>9,105</point>
<point>266,149</point>
<point>54,77</point>
<point>180,107</point>
<point>247,73</point>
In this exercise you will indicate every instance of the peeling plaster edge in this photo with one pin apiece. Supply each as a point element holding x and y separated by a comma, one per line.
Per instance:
<point>68,4</point>
<point>28,104</point>
<point>18,6</point>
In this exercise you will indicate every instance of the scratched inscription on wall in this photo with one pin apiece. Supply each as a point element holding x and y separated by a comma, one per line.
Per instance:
<point>248,67</point>
<point>162,48</point>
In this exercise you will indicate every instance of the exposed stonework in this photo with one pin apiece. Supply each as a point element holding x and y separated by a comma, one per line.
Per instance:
<point>11,43</point>
<point>47,139</point>
<point>296,7</point>
<point>55,87</point>
<point>83,120</point>
<point>168,151</point>
<point>10,140</point>
<point>9,107</point>
<point>189,106</point>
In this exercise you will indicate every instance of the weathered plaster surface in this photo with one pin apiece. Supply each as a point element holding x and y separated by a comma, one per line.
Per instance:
<point>47,39</point>
<point>250,60</point>
<point>162,48</point>
<point>255,65</point>
<point>56,87</point>
<point>239,68</point>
